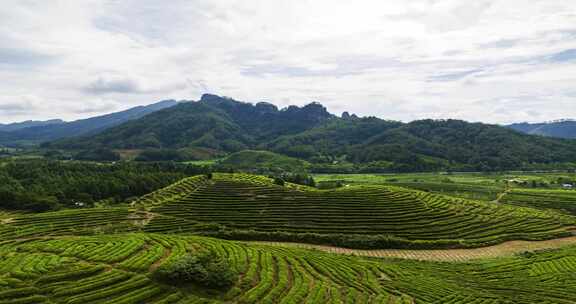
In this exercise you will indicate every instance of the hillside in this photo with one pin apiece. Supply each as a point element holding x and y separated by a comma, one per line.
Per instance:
<point>102,255</point>
<point>213,122</point>
<point>560,129</point>
<point>37,134</point>
<point>252,207</point>
<point>311,133</point>
<point>250,160</point>
<point>28,124</point>
<point>119,268</point>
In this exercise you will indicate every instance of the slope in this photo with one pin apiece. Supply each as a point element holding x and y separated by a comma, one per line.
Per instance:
<point>240,206</point>
<point>38,134</point>
<point>28,124</point>
<point>213,122</point>
<point>250,160</point>
<point>121,268</point>
<point>560,129</point>
<point>311,133</point>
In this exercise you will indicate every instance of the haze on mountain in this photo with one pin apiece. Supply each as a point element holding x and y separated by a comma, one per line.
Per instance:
<point>31,133</point>
<point>28,124</point>
<point>561,129</point>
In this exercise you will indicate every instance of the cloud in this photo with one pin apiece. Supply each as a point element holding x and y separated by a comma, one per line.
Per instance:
<point>24,57</point>
<point>19,105</point>
<point>104,85</point>
<point>97,106</point>
<point>454,75</point>
<point>564,56</point>
<point>397,59</point>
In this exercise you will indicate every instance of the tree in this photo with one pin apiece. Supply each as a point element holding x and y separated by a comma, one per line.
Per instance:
<point>202,268</point>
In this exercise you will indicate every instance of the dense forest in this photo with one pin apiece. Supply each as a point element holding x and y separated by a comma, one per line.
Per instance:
<point>216,126</point>
<point>39,185</point>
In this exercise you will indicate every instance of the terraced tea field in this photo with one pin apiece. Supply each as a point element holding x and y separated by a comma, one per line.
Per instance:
<point>112,255</point>
<point>116,269</point>
<point>360,216</point>
<point>506,249</point>
<point>544,199</point>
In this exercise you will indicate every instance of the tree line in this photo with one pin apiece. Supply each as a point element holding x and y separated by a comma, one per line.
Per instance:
<point>43,185</point>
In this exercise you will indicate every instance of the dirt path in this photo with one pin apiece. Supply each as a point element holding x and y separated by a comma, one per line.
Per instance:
<point>167,253</point>
<point>445,255</point>
<point>501,195</point>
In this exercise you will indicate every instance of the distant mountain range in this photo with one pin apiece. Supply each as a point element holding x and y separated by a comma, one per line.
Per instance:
<point>28,124</point>
<point>560,129</point>
<point>224,125</point>
<point>35,132</point>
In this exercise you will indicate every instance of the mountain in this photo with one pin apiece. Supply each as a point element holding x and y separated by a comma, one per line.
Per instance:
<point>313,134</point>
<point>38,134</point>
<point>28,124</point>
<point>560,129</point>
<point>213,122</point>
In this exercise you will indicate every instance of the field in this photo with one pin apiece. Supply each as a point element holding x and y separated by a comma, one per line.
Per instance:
<point>111,255</point>
<point>116,269</point>
<point>250,207</point>
<point>540,190</point>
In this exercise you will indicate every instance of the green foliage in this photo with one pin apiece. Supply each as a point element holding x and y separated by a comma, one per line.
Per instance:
<point>313,134</point>
<point>202,268</point>
<point>180,155</point>
<point>98,155</point>
<point>40,185</point>
<point>69,270</point>
<point>262,162</point>
<point>27,201</point>
<point>254,207</point>
<point>294,178</point>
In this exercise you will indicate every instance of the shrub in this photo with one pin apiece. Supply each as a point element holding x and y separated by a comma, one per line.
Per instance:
<point>279,181</point>
<point>202,268</point>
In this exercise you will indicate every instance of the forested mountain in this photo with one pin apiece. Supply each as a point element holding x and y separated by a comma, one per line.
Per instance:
<point>311,133</point>
<point>214,122</point>
<point>560,129</point>
<point>42,133</point>
<point>28,124</point>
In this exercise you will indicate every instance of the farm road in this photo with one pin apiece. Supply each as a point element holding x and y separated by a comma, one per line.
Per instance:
<point>444,255</point>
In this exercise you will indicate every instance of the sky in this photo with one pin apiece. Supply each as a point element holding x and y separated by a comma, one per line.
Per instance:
<point>495,61</point>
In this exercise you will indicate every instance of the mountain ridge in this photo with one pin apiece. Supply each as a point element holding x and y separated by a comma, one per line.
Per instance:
<point>560,129</point>
<point>311,133</point>
<point>9,127</point>
<point>92,125</point>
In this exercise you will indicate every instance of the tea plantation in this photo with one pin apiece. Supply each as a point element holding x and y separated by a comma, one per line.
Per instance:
<point>119,269</point>
<point>122,255</point>
<point>252,207</point>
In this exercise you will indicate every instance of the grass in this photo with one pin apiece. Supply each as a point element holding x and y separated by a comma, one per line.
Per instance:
<point>477,186</point>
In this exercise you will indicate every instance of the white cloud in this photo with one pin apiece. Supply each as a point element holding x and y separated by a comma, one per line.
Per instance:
<point>480,60</point>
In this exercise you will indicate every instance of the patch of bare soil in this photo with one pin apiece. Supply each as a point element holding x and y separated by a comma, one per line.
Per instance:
<point>445,255</point>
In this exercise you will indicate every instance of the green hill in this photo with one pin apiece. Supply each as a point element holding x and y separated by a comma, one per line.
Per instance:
<point>89,256</point>
<point>263,160</point>
<point>239,206</point>
<point>224,125</point>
